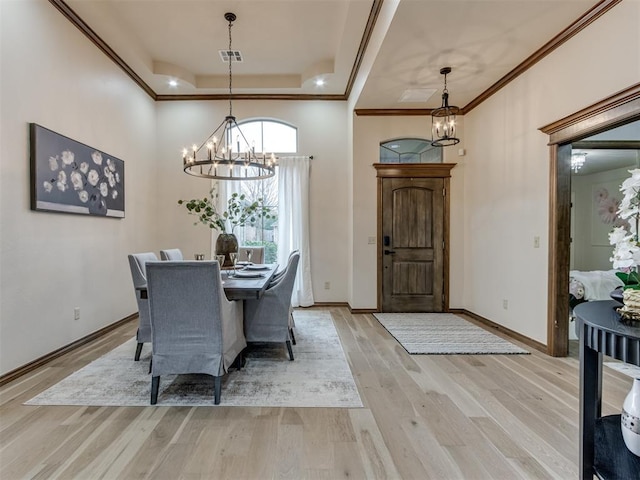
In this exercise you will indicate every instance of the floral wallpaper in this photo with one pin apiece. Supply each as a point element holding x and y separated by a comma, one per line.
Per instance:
<point>68,176</point>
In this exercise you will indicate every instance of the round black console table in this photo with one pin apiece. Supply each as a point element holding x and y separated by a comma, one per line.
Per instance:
<point>602,449</point>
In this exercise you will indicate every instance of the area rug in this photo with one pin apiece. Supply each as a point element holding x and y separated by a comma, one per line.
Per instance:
<point>443,334</point>
<point>318,377</point>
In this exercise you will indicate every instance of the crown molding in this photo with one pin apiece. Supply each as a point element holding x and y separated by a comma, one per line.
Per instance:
<point>620,107</point>
<point>364,42</point>
<point>73,17</point>
<point>79,23</point>
<point>251,96</point>
<point>364,112</point>
<point>581,23</point>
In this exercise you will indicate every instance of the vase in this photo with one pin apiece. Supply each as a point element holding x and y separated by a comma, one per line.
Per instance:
<point>617,294</point>
<point>225,244</point>
<point>630,419</point>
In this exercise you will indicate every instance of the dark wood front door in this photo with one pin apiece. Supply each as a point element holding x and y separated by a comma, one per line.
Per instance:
<point>413,239</point>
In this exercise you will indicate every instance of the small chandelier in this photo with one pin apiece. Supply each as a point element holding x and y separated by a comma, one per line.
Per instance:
<point>577,161</point>
<point>443,119</point>
<point>219,157</point>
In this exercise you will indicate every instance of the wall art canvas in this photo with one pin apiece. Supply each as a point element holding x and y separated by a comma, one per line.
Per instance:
<point>69,176</point>
<point>606,198</point>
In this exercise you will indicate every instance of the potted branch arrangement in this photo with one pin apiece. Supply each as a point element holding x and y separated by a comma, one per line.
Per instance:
<point>240,212</point>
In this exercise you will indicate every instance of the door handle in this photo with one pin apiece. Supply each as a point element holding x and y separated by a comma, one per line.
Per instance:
<point>389,252</point>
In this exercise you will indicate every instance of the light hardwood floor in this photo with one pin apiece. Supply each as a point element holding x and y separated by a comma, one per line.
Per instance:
<point>425,417</point>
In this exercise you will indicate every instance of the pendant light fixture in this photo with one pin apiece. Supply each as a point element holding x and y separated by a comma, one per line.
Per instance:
<point>578,160</point>
<point>226,153</point>
<point>443,119</point>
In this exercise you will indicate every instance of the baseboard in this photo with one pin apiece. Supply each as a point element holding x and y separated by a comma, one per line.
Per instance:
<point>357,311</point>
<point>29,367</point>
<point>330,304</point>
<point>507,331</point>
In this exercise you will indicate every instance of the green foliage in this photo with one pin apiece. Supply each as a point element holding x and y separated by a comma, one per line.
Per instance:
<point>240,211</point>
<point>631,280</point>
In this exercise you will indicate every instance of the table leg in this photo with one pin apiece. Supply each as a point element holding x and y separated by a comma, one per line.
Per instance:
<point>590,402</point>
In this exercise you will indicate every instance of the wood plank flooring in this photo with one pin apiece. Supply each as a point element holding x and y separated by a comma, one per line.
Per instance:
<point>425,417</point>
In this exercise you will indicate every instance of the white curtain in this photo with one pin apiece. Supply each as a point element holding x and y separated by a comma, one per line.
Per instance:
<point>293,223</point>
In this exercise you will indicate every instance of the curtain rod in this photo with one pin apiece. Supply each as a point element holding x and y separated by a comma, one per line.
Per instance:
<point>310,157</point>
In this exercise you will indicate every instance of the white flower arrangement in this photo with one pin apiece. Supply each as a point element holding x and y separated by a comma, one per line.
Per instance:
<point>626,251</point>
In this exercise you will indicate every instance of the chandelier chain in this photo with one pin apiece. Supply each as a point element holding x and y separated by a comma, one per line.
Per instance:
<point>220,158</point>
<point>230,55</point>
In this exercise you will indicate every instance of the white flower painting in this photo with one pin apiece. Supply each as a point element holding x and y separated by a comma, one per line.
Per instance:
<point>72,177</point>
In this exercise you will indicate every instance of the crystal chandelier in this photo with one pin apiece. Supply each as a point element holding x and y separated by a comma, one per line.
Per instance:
<point>222,157</point>
<point>443,119</point>
<point>577,161</point>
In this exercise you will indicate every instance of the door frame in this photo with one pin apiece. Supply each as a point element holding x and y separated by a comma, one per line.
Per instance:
<point>415,170</point>
<point>618,109</point>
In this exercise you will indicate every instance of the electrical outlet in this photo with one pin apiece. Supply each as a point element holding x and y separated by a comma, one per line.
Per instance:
<point>327,285</point>
<point>505,304</point>
<point>536,242</point>
<point>371,240</point>
<point>76,313</point>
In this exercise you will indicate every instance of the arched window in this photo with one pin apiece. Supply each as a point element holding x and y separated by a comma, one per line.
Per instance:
<point>409,150</point>
<point>269,136</point>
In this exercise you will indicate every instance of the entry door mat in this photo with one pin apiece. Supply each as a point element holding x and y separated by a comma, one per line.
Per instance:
<point>318,377</point>
<point>443,334</point>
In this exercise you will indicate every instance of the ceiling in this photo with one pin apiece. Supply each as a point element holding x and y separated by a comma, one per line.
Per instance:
<point>604,157</point>
<point>384,47</point>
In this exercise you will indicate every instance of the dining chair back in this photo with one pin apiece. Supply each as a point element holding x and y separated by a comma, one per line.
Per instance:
<point>268,319</point>
<point>257,254</point>
<point>137,264</point>
<point>171,254</point>
<point>195,329</point>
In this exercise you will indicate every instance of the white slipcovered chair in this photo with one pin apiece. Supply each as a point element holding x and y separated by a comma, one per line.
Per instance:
<point>137,263</point>
<point>174,254</point>
<point>257,254</point>
<point>268,318</point>
<point>195,329</point>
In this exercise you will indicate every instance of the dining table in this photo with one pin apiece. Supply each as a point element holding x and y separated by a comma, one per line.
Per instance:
<point>247,282</point>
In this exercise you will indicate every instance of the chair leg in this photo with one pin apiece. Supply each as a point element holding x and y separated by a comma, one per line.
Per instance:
<point>155,385</point>
<point>290,350</point>
<point>239,361</point>
<point>138,352</point>
<point>217,389</point>
<point>293,337</point>
<point>151,365</point>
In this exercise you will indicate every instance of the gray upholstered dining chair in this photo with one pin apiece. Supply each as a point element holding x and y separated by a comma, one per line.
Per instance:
<point>171,254</point>
<point>195,329</point>
<point>278,275</point>
<point>268,318</point>
<point>137,263</point>
<point>257,254</point>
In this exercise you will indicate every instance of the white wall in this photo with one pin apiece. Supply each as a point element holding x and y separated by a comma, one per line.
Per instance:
<point>590,242</point>
<point>368,133</point>
<point>50,263</point>
<point>322,132</point>
<point>507,167</point>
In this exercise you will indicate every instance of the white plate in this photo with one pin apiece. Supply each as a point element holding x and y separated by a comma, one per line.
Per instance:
<point>248,274</point>
<point>256,266</point>
<point>244,263</point>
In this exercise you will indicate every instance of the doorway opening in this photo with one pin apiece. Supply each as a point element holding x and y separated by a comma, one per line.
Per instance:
<point>619,109</point>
